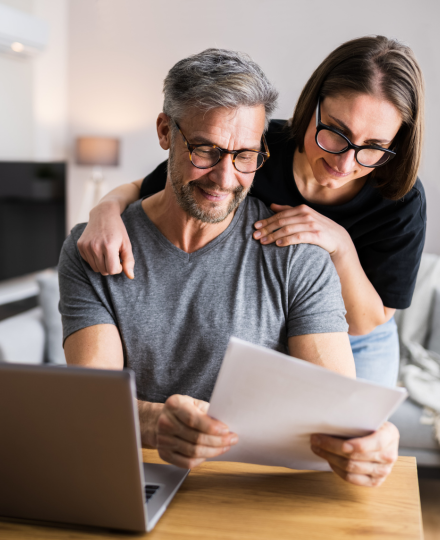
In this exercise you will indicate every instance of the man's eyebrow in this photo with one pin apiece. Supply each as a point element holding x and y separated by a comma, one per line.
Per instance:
<point>348,130</point>
<point>197,139</point>
<point>201,140</point>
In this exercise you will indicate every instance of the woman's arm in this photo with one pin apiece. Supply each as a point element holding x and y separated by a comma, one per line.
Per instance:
<point>302,225</point>
<point>104,244</point>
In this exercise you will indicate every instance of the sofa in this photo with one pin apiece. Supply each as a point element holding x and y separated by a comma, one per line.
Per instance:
<point>35,336</point>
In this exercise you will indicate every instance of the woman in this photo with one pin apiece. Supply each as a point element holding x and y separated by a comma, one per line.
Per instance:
<point>343,175</point>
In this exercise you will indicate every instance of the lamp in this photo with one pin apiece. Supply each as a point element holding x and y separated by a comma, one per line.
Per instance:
<point>97,152</point>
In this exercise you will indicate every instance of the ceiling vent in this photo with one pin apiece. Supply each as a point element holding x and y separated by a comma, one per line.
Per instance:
<point>21,34</point>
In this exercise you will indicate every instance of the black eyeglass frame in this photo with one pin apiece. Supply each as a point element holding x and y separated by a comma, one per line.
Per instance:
<point>320,126</point>
<point>234,153</point>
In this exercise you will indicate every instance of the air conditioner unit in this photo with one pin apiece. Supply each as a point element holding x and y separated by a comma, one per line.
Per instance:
<point>21,34</point>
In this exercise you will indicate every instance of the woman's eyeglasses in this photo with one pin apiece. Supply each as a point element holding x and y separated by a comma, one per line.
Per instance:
<point>334,142</point>
<point>205,156</point>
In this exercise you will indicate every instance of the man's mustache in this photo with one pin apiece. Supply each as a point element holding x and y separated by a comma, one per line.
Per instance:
<point>212,186</point>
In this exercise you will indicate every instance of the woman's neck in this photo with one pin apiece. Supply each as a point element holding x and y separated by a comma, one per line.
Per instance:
<point>317,194</point>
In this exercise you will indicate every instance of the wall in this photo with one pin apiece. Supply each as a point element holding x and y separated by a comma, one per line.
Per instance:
<point>50,84</point>
<point>16,79</point>
<point>33,91</point>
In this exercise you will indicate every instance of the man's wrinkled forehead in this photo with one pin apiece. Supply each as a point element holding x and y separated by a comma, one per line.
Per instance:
<point>231,129</point>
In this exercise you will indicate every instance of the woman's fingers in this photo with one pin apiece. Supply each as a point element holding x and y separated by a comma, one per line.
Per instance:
<point>287,212</point>
<point>290,230</point>
<point>127,259</point>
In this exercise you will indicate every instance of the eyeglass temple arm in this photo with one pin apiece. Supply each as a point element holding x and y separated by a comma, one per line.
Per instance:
<point>318,111</point>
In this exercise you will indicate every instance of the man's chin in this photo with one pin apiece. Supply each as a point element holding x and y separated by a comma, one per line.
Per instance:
<point>212,215</point>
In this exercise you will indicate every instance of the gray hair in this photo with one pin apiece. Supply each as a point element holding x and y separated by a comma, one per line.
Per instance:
<point>217,78</point>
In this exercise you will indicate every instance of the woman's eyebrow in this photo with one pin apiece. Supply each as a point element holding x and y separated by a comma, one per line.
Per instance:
<point>348,130</point>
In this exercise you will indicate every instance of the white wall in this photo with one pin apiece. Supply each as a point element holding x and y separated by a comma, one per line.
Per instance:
<point>16,115</point>
<point>49,96</point>
<point>33,91</point>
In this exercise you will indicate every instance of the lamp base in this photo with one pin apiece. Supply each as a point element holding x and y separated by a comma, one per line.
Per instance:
<point>95,188</point>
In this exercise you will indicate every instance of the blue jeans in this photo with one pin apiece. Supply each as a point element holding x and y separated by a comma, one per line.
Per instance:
<point>376,354</point>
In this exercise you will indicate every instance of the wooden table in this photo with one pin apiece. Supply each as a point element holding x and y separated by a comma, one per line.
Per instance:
<point>234,501</point>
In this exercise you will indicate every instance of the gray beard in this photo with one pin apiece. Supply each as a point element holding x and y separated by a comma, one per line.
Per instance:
<point>187,201</point>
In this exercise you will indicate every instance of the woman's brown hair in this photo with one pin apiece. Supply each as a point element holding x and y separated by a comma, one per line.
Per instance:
<point>382,67</point>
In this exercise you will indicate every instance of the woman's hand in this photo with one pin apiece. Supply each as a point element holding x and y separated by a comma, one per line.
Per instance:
<point>104,244</point>
<point>364,461</point>
<point>302,225</point>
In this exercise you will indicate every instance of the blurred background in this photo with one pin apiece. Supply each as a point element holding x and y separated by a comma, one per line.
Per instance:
<point>81,87</point>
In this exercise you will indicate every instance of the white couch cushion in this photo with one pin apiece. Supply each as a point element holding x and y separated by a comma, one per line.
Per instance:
<point>49,298</point>
<point>434,334</point>
<point>22,338</point>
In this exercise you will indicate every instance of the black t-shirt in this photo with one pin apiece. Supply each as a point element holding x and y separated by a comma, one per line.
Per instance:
<point>388,235</point>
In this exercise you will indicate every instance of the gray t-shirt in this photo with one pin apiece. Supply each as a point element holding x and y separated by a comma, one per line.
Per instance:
<point>176,317</point>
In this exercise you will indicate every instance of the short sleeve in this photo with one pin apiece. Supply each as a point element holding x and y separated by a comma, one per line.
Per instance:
<point>315,299</point>
<point>391,261</point>
<point>83,299</point>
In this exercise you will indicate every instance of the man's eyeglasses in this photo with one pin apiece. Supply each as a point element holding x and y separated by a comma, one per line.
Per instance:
<point>205,156</point>
<point>334,142</point>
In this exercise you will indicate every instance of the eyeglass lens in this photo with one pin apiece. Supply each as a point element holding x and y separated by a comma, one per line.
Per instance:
<point>205,157</point>
<point>332,142</point>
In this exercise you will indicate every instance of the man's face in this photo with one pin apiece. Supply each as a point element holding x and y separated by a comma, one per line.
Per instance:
<point>210,195</point>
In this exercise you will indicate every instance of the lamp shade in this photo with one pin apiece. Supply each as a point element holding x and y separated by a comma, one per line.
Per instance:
<point>102,151</point>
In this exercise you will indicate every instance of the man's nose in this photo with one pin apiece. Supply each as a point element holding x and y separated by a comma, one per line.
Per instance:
<point>346,162</point>
<point>224,174</point>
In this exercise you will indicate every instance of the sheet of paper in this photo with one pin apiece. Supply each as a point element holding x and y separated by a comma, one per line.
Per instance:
<point>275,402</point>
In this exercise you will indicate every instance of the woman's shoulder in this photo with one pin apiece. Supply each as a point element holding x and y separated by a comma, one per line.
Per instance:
<point>412,205</point>
<point>278,132</point>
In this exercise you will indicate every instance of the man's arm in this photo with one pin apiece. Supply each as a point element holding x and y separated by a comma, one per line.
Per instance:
<point>179,428</point>
<point>328,350</point>
<point>364,461</point>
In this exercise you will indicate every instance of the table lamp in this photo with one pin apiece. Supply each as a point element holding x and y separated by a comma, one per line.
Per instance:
<point>97,152</point>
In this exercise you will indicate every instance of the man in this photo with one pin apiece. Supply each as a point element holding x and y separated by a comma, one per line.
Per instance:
<point>201,278</point>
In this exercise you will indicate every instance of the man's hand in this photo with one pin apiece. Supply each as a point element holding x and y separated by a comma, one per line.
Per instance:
<point>365,461</point>
<point>186,435</point>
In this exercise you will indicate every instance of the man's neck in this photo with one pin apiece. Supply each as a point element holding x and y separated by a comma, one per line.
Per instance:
<point>186,233</point>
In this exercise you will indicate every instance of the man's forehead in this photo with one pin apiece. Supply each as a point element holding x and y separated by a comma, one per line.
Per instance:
<point>224,127</point>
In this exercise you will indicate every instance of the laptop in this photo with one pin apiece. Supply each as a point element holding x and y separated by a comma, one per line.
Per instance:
<point>70,450</point>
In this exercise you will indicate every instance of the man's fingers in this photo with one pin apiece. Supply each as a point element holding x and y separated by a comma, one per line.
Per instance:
<point>184,408</point>
<point>170,425</point>
<point>179,460</point>
<point>385,437</point>
<point>188,449</point>
<point>353,466</point>
<point>358,479</point>
<point>381,446</point>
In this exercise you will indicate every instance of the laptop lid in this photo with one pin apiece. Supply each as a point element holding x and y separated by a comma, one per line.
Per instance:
<point>69,448</point>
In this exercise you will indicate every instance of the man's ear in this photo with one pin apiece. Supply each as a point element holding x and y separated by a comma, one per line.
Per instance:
<point>163,126</point>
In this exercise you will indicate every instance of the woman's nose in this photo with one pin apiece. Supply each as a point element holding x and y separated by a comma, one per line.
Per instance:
<point>346,162</point>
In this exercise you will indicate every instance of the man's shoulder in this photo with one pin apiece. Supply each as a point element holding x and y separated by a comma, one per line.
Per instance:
<point>256,209</point>
<point>71,241</point>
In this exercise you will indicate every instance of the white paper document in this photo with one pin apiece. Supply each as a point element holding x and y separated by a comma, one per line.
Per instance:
<point>275,402</point>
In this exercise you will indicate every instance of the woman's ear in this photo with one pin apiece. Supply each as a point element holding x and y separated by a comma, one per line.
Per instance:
<point>164,130</point>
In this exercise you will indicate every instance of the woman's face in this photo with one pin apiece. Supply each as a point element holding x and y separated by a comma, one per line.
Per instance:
<point>364,119</point>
